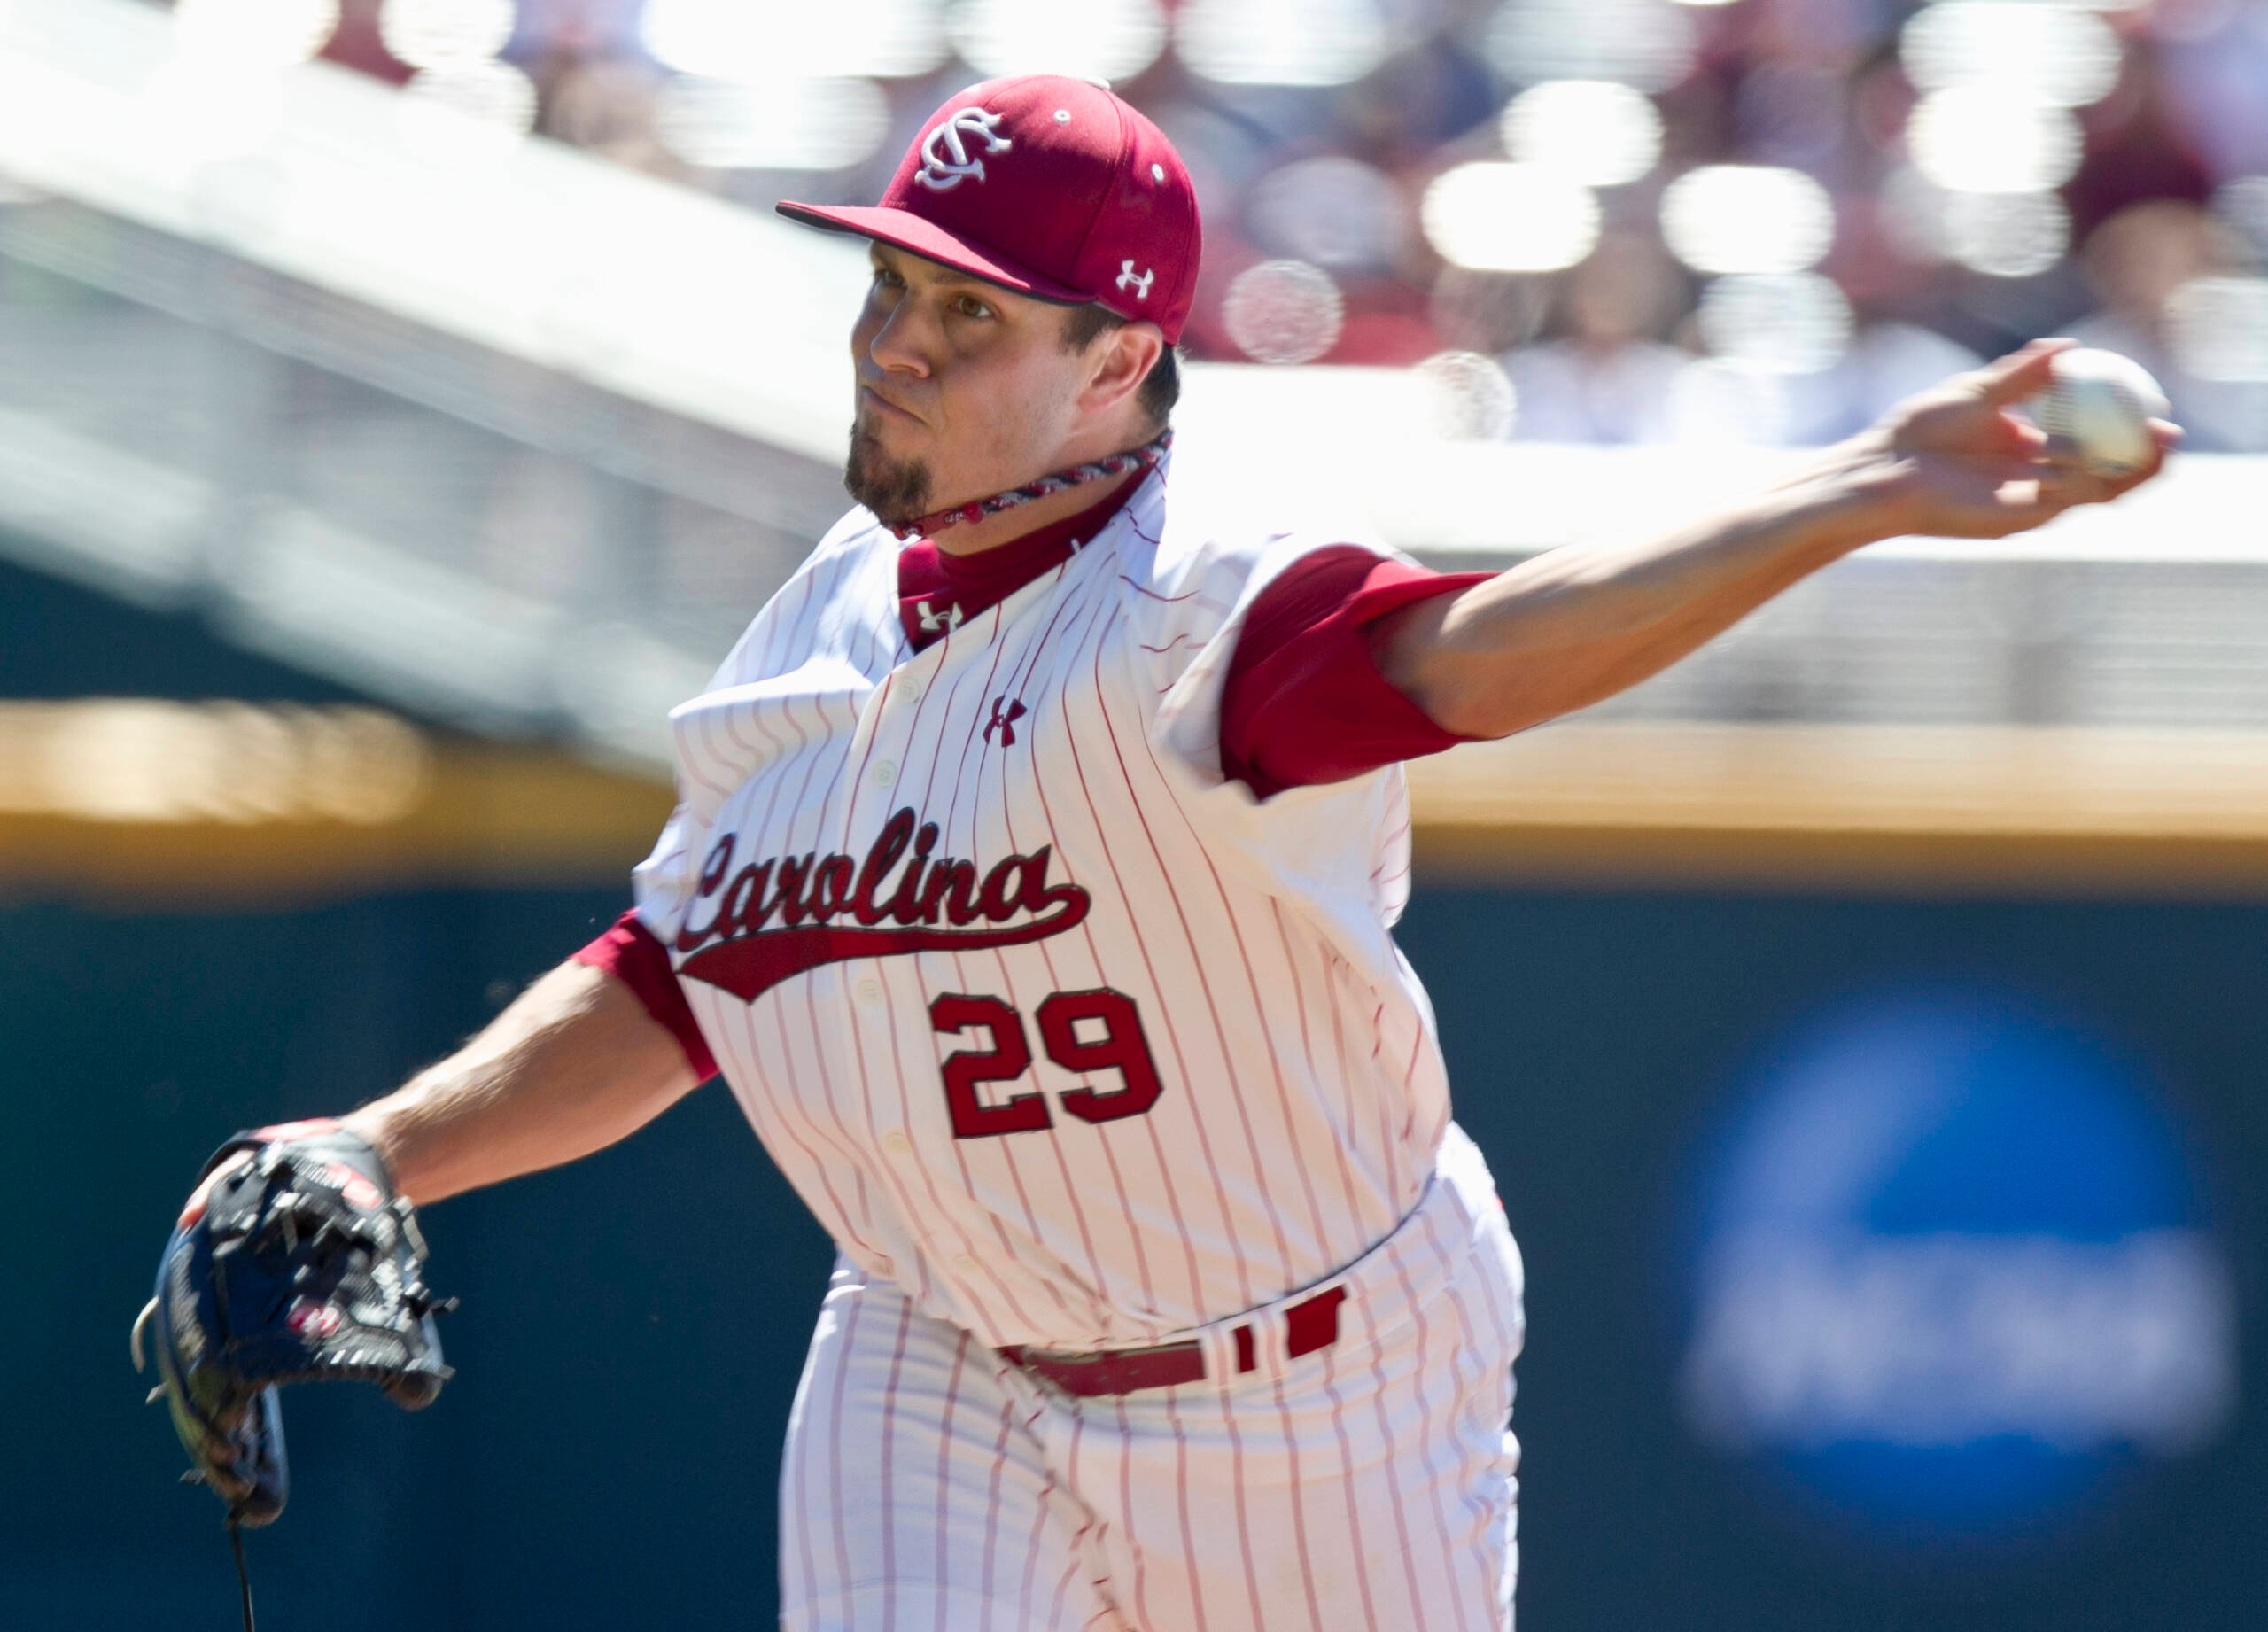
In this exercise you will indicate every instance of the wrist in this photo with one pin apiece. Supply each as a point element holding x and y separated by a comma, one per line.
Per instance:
<point>1853,494</point>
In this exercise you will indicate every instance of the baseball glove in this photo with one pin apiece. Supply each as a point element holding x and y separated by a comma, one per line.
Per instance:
<point>301,1265</point>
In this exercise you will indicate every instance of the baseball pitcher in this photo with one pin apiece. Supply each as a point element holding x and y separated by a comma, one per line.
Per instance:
<point>1031,885</point>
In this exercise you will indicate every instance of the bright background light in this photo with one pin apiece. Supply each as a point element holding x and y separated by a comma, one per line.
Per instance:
<point>1593,131</point>
<point>2006,234</point>
<point>2220,327</point>
<point>1747,218</point>
<point>1335,212</point>
<point>1977,139</point>
<point>838,39</point>
<point>1472,396</point>
<point>466,108</point>
<point>204,110</point>
<point>433,34</point>
<point>254,34</point>
<point>1509,218</point>
<point>789,124</point>
<point>1281,42</point>
<point>1795,322</point>
<point>1095,39</point>
<point>2059,55</point>
<point>1648,43</point>
<point>1283,311</point>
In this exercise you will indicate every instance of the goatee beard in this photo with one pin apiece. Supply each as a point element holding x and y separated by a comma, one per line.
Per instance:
<point>895,489</point>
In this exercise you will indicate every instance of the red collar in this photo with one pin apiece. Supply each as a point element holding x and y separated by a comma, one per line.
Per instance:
<point>938,592</point>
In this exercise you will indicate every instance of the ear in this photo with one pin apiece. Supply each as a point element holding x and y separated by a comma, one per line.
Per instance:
<point>1118,364</point>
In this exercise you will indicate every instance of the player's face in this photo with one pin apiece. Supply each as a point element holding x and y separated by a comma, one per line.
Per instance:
<point>964,389</point>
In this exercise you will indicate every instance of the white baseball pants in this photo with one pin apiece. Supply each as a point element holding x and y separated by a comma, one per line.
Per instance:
<point>928,1485</point>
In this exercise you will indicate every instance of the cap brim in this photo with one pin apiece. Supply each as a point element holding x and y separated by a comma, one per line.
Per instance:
<point>924,237</point>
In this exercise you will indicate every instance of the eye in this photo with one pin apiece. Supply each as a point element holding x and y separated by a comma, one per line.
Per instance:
<point>884,278</point>
<point>969,306</point>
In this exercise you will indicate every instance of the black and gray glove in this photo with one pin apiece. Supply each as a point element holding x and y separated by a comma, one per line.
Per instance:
<point>301,1265</point>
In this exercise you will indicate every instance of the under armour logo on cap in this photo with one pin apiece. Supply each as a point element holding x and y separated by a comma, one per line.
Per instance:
<point>1140,285</point>
<point>942,173</point>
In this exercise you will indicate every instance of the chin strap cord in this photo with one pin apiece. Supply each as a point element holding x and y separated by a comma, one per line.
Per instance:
<point>1117,465</point>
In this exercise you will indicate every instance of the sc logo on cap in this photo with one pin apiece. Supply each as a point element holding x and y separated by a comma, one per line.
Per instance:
<point>941,174</point>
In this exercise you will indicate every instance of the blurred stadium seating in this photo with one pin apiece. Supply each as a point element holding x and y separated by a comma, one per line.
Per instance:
<point>513,437</point>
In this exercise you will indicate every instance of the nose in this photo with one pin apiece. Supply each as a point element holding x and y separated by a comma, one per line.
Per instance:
<point>895,341</point>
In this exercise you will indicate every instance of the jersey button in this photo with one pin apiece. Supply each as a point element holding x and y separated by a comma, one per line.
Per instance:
<point>966,1264</point>
<point>898,1144</point>
<point>870,991</point>
<point>884,773</point>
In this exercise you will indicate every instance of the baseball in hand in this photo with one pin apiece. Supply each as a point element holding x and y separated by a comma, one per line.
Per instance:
<point>2098,409</point>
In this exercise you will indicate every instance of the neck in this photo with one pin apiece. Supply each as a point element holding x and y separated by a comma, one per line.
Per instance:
<point>970,537</point>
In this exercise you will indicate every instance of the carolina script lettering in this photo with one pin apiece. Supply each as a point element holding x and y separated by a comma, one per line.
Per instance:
<point>776,918</point>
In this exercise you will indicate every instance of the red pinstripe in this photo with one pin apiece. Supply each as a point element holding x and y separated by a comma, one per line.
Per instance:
<point>857,1228</point>
<point>1142,945</point>
<point>1181,1494</point>
<point>992,1495</point>
<point>1351,1206</point>
<point>1293,1487</point>
<point>1458,1361</point>
<point>1355,1522</point>
<point>1266,1029</point>
<point>945,1462</point>
<point>1244,1519</point>
<point>1426,1433</point>
<point>888,1485</point>
<point>836,1463</point>
<point>1165,875</point>
<point>1098,1281</point>
<point>1126,1505</point>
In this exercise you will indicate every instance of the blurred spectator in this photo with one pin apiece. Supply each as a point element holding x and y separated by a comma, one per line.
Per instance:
<point>607,104</point>
<point>2216,71</point>
<point>2134,262</point>
<point>1606,375</point>
<point>2133,151</point>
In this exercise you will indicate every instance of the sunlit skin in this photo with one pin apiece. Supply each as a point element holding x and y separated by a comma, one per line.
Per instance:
<point>965,389</point>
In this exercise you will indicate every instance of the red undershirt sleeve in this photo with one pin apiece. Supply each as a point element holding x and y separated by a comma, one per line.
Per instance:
<point>1304,701</point>
<point>630,953</point>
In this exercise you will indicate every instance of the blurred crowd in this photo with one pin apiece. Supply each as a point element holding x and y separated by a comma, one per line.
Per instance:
<point>1757,222</point>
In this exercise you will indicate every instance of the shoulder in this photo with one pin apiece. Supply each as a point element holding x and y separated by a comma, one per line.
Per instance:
<point>1195,553</point>
<point>843,587</point>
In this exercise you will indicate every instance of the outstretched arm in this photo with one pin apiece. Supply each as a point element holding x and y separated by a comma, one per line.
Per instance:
<point>573,1065</point>
<point>1572,626</point>
<point>576,1063</point>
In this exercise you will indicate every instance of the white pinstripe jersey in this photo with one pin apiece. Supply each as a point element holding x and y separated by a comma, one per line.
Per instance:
<point>1076,1042</point>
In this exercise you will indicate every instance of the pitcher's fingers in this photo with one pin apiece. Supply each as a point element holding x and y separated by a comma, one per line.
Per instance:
<point>195,1209</point>
<point>2022,374</point>
<point>2063,484</point>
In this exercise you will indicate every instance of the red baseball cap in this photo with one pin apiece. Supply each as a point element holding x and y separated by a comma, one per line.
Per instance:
<point>1049,186</point>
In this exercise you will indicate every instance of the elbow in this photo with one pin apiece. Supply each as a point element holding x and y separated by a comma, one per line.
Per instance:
<point>1473,708</point>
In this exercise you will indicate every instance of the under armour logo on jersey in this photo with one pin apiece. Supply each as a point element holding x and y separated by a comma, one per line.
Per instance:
<point>942,173</point>
<point>1006,712</point>
<point>947,620</point>
<point>1139,283</point>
